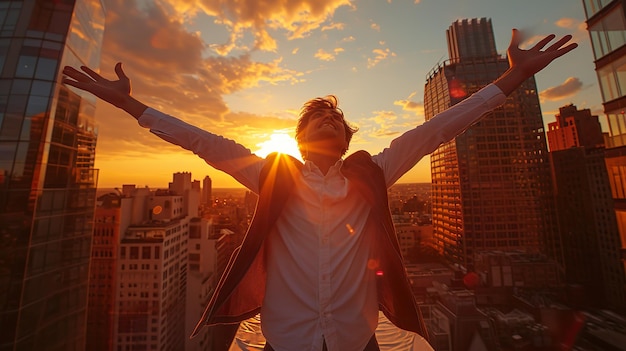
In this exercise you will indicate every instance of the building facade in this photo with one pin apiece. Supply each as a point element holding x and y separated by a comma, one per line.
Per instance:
<point>47,176</point>
<point>491,186</point>
<point>606,24</point>
<point>585,208</point>
<point>103,272</point>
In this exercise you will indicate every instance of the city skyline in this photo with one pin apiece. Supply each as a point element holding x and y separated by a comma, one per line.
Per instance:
<point>340,47</point>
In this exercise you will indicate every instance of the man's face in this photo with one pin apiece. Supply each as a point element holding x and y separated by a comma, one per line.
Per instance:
<point>325,129</point>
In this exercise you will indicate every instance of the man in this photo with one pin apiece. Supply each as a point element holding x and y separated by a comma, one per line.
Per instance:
<point>320,258</point>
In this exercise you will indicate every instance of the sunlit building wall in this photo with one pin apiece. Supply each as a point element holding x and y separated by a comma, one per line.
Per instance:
<point>103,273</point>
<point>151,271</point>
<point>491,186</point>
<point>585,208</point>
<point>606,24</point>
<point>201,280</point>
<point>47,176</point>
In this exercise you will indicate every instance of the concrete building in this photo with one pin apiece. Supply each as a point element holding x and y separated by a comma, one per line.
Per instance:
<point>103,272</point>
<point>47,176</point>
<point>491,186</point>
<point>154,266</point>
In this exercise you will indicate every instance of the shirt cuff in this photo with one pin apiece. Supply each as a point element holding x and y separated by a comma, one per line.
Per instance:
<point>150,117</point>
<point>492,95</point>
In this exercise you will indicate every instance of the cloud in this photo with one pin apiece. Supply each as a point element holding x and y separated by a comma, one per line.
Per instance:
<point>383,124</point>
<point>297,17</point>
<point>412,106</point>
<point>323,55</point>
<point>164,60</point>
<point>337,26</point>
<point>571,86</point>
<point>568,23</point>
<point>379,55</point>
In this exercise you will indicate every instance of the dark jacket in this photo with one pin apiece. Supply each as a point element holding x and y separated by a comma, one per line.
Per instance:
<point>239,293</point>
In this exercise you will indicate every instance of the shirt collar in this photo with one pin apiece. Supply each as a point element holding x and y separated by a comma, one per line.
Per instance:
<point>310,167</point>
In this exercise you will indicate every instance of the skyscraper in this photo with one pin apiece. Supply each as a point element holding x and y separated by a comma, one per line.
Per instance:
<point>606,23</point>
<point>491,186</point>
<point>47,175</point>
<point>585,208</point>
<point>207,188</point>
<point>103,272</point>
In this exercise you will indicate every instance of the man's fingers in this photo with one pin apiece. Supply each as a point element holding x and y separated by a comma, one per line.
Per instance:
<point>77,84</point>
<point>120,72</point>
<point>95,76</point>
<point>75,74</point>
<point>564,50</point>
<point>559,43</point>
<point>543,42</point>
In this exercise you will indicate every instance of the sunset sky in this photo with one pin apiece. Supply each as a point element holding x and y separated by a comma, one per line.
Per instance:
<point>243,68</point>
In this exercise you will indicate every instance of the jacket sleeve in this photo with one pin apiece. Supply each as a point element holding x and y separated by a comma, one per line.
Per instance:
<point>221,153</point>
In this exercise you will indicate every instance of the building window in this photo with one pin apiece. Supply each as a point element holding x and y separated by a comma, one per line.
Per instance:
<point>146,252</point>
<point>609,33</point>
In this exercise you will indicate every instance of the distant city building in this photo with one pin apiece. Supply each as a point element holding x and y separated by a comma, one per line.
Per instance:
<point>517,269</point>
<point>491,186</point>
<point>103,272</point>
<point>585,208</point>
<point>607,31</point>
<point>47,175</point>
<point>207,188</point>
<point>455,323</point>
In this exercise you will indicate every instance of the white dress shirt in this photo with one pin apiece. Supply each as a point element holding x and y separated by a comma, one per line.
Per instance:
<point>320,285</point>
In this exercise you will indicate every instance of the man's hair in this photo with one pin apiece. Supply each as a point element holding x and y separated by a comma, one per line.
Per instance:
<point>327,102</point>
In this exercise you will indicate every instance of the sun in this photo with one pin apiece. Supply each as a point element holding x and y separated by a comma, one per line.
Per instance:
<point>279,142</point>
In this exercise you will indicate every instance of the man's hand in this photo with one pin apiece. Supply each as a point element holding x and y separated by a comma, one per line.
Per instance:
<point>525,63</point>
<point>115,92</point>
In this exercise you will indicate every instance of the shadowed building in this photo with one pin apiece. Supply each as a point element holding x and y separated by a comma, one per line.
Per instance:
<point>585,208</point>
<point>606,23</point>
<point>47,176</point>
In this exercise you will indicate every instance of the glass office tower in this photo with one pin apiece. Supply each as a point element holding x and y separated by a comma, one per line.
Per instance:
<point>491,186</point>
<point>606,23</point>
<point>47,175</point>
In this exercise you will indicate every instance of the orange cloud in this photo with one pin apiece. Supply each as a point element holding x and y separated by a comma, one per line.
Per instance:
<point>384,122</point>
<point>338,26</point>
<point>408,105</point>
<point>379,55</point>
<point>323,55</point>
<point>298,17</point>
<point>571,86</point>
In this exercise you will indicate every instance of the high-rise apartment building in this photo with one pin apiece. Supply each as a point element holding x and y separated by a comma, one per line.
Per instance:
<point>491,186</point>
<point>103,272</point>
<point>151,270</point>
<point>585,208</point>
<point>606,23</point>
<point>47,175</point>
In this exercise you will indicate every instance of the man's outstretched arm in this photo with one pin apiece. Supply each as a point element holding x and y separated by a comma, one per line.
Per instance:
<point>219,152</point>
<point>116,92</point>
